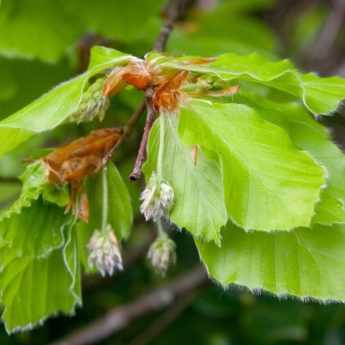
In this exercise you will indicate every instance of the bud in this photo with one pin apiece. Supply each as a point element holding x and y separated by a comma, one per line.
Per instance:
<point>157,199</point>
<point>162,254</point>
<point>104,252</point>
<point>93,104</point>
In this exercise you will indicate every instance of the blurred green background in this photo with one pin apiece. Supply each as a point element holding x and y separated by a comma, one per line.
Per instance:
<point>45,42</point>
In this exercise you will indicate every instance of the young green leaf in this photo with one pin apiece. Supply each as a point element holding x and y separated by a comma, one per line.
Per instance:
<point>319,95</point>
<point>39,266</point>
<point>56,106</point>
<point>311,136</point>
<point>34,179</point>
<point>269,184</point>
<point>199,197</point>
<point>304,262</point>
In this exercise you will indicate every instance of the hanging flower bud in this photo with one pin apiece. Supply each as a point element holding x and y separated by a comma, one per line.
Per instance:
<point>93,104</point>
<point>104,252</point>
<point>162,254</point>
<point>157,199</point>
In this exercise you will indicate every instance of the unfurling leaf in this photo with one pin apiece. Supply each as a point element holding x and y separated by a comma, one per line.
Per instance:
<point>319,95</point>
<point>93,104</point>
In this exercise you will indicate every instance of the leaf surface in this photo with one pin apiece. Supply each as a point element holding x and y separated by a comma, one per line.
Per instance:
<point>269,185</point>
<point>319,95</point>
<point>304,263</point>
<point>56,106</point>
<point>199,197</point>
<point>311,136</point>
<point>39,266</point>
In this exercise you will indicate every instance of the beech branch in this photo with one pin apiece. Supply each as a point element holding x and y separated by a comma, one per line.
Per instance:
<point>174,10</point>
<point>120,317</point>
<point>141,156</point>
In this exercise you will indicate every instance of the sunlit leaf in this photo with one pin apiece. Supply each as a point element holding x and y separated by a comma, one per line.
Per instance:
<point>269,184</point>
<point>311,136</point>
<point>53,108</point>
<point>199,197</point>
<point>319,95</point>
<point>304,262</point>
<point>39,266</point>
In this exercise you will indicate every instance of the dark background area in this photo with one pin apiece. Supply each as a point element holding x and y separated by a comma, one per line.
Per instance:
<point>45,42</point>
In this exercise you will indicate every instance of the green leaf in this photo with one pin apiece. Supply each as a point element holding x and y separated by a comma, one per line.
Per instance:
<point>269,184</point>
<point>309,135</point>
<point>35,231</point>
<point>305,262</point>
<point>199,197</point>
<point>120,213</point>
<point>103,57</point>
<point>55,107</point>
<point>45,113</point>
<point>319,95</point>
<point>34,179</point>
<point>40,274</point>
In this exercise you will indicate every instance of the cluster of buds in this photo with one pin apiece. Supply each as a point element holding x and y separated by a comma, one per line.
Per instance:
<point>162,254</point>
<point>104,252</point>
<point>157,199</point>
<point>94,104</point>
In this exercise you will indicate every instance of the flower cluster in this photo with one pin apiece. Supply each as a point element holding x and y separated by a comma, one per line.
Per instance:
<point>162,254</point>
<point>104,252</point>
<point>157,199</point>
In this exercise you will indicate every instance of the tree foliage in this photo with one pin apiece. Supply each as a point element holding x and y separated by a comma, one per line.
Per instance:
<point>237,155</point>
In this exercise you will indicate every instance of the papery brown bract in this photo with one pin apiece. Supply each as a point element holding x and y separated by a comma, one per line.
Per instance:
<point>82,157</point>
<point>166,97</point>
<point>136,73</point>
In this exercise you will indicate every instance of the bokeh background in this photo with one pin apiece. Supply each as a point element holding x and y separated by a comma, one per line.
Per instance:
<point>45,42</point>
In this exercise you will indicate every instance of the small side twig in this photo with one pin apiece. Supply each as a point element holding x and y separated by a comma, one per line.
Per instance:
<point>141,156</point>
<point>174,10</point>
<point>9,179</point>
<point>158,326</point>
<point>120,317</point>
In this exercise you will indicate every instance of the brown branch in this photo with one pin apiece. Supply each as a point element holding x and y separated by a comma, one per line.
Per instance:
<point>9,179</point>
<point>157,328</point>
<point>318,54</point>
<point>141,156</point>
<point>174,10</point>
<point>120,317</point>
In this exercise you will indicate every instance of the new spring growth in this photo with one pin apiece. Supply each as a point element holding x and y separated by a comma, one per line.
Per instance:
<point>157,199</point>
<point>162,253</point>
<point>94,104</point>
<point>104,252</point>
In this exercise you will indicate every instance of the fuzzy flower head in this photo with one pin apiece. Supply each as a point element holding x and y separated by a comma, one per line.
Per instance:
<point>162,254</point>
<point>104,252</point>
<point>157,199</point>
